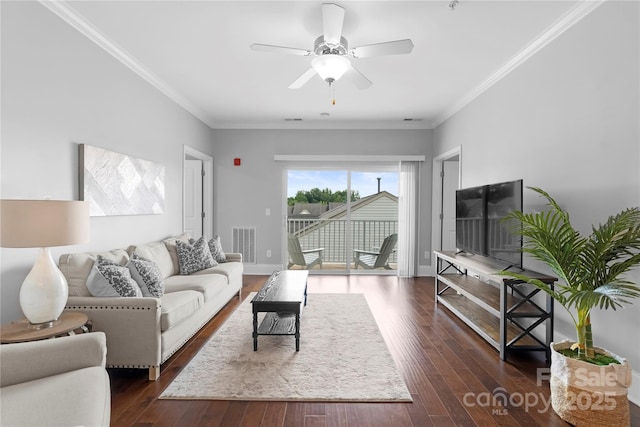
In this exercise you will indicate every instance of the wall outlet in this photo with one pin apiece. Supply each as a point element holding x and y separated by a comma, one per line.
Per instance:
<point>268,253</point>
<point>267,212</point>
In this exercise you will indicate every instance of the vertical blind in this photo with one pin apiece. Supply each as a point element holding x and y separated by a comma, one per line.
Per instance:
<point>408,218</point>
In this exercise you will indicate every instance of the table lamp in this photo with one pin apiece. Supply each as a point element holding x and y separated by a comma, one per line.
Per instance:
<point>42,224</point>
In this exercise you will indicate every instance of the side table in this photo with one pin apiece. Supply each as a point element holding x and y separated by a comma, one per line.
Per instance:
<point>68,323</point>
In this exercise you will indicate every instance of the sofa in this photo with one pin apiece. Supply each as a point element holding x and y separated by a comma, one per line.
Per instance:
<point>56,382</point>
<point>143,332</point>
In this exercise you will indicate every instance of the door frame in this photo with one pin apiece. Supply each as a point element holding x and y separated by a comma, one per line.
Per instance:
<point>207,188</point>
<point>436,197</point>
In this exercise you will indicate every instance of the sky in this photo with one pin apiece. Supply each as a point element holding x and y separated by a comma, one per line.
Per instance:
<point>365,183</point>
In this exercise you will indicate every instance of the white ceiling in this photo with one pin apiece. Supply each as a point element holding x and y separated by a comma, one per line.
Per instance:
<point>197,52</point>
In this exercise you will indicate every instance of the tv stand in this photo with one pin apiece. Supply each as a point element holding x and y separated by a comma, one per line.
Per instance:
<point>502,310</point>
<point>510,266</point>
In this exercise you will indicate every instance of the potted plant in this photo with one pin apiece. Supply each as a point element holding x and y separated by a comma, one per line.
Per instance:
<point>592,270</point>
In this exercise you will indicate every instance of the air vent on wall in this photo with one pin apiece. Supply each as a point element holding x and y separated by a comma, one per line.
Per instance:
<point>244,242</point>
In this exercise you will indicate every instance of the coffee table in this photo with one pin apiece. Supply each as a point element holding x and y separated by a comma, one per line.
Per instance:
<point>282,298</point>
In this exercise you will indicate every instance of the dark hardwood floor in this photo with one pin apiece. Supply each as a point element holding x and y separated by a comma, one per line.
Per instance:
<point>450,371</point>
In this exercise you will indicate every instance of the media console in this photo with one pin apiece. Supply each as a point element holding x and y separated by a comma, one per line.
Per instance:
<point>502,310</point>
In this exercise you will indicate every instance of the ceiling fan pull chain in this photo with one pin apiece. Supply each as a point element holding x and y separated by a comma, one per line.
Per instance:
<point>333,93</point>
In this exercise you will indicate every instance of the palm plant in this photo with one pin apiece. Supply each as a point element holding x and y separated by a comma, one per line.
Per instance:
<point>591,268</point>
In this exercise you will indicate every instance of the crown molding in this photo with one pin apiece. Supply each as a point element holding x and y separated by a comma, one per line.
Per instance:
<point>64,11</point>
<point>562,24</point>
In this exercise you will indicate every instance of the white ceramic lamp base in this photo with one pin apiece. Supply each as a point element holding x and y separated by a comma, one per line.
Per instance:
<point>44,292</point>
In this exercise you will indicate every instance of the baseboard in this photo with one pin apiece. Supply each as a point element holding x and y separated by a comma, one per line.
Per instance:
<point>261,269</point>
<point>426,271</point>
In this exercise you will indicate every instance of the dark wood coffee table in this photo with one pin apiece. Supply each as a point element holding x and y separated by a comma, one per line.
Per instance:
<point>282,298</point>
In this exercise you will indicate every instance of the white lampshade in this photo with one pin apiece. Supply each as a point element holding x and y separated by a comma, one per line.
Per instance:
<point>43,223</point>
<point>330,67</point>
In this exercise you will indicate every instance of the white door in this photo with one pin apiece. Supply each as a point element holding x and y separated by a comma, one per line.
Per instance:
<point>193,215</point>
<point>449,186</point>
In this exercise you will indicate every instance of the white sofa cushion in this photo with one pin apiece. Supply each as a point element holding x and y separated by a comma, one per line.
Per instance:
<point>231,270</point>
<point>158,253</point>
<point>76,268</point>
<point>178,306</point>
<point>208,285</point>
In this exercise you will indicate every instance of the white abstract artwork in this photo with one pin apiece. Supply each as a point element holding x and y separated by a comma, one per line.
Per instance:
<point>117,184</point>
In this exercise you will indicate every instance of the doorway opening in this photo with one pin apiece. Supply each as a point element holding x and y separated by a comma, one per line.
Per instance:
<point>197,193</point>
<point>446,179</point>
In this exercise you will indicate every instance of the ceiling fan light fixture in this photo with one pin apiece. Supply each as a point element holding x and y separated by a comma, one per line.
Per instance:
<point>330,67</point>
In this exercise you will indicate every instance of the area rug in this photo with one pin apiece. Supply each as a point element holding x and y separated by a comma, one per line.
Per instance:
<point>342,358</point>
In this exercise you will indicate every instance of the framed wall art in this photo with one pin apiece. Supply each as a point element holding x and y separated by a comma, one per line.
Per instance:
<point>118,184</point>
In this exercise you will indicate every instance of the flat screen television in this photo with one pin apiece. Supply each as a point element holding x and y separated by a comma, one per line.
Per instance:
<point>480,228</point>
<point>502,243</point>
<point>471,204</point>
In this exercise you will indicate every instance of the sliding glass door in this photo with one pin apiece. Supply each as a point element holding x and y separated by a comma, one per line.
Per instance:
<point>342,220</point>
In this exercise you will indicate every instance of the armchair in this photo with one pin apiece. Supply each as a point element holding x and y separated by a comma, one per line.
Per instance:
<point>376,259</point>
<point>61,381</point>
<point>307,258</point>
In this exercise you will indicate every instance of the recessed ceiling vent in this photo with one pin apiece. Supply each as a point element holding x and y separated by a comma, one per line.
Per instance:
<point>293,119</point>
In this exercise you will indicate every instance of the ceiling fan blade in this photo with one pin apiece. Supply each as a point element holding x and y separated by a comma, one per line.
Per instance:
<point>279,49</point>
<point>397,47</point>
<point>303,79</point>
<point>332,20</point>
<point>358,79</point>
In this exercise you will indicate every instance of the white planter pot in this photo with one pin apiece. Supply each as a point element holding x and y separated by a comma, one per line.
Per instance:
<point>585,394</point>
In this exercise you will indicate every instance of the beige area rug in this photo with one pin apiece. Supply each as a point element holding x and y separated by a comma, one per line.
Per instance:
<point>342,357</point>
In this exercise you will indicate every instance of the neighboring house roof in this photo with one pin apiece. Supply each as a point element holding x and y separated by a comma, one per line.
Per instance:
<point>309,209</point>
<point>340,211</point>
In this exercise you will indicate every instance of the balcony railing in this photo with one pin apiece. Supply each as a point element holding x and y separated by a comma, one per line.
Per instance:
<point>331,234</point>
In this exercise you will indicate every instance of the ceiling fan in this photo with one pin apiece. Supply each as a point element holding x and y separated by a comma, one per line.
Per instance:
<point>331,51</point>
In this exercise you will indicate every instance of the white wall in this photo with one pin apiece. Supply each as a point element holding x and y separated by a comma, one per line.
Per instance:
<point>567,121</point>
<point>58,90</point>
<point>243,193</point>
